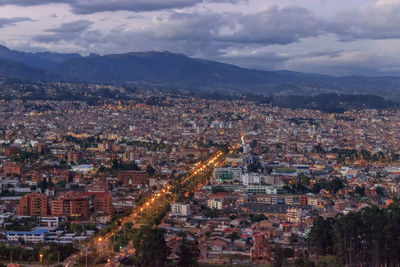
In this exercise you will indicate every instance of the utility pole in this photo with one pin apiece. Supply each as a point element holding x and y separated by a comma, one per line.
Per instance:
<point>58,257</point>
<point>11,256</point>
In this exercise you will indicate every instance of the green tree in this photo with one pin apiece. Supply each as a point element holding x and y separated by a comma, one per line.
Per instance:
<point>150,246</point>
<point>150,170</point>
<point>320,239</point>
<point>188,253</point>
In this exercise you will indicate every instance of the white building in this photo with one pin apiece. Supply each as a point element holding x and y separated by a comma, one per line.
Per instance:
<point>34,236</point>
<point>48,221</point>
<point>179,209</point>
<point>264,189</point>
<point>250,178</point>
<point>294,215</point>
<point>214,204</point>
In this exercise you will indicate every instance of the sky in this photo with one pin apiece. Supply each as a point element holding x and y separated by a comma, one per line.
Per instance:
<point>336,37</point>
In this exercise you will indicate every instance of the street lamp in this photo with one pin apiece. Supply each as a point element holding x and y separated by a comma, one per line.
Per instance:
<point>41,258</point>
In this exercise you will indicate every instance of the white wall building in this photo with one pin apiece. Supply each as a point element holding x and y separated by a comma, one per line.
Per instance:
<point>294,215</point>
<point>214,204</point>
<point>34,236</point>
<point>179,209</point>
<point>250,178</point>
<point>48,221</point>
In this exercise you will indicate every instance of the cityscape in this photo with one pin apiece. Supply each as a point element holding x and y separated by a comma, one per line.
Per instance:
<point>199,133</point>
<point>230,181</point>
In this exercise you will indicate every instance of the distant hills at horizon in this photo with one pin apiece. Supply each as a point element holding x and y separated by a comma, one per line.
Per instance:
<point>169,70</point>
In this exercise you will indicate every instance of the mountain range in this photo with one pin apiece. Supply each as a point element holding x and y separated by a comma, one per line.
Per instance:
<point>169,70</point>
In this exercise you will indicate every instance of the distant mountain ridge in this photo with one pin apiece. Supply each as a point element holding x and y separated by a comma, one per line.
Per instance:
<point>43,60</point>
<point>18,70</point>
<point>169,70</point>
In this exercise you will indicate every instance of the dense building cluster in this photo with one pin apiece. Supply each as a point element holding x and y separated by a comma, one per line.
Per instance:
<point>66,163</point>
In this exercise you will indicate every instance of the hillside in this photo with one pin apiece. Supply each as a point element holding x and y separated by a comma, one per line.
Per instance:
<point>177,71</point>
<point>17,70</point>
<point>43,60</point>
<point>164,69</point>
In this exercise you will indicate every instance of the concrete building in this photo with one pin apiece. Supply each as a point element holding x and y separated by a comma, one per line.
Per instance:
<point>71,204</point>
<point>48,221</point>
<point>35,236</point>
<point>222,174</point>
<point>294,215</point>
<point>264,189</point>
<point>179,209</point>
<point>133,178</point>
<point>214,204</point>
<point>33,204</point>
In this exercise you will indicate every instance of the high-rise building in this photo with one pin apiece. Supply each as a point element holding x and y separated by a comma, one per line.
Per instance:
<point>71,204</point>
<point>33,204</point>
<point>100,201</point>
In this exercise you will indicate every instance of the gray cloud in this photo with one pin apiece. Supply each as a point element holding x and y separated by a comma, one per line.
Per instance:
<point>66,31</point>
<point>374,22</point>
<point>74,26</point>
<point>94,6</point>
<point>273,26</point>
<point>216,30</point>
<point>31,2</point>
<point>12,21</point>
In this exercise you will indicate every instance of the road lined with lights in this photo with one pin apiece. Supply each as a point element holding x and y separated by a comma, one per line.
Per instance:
<point>166,196</point>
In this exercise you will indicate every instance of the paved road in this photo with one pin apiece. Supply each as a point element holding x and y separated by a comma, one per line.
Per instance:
<point>103,243</point>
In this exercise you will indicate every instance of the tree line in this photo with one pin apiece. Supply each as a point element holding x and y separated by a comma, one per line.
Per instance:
<point>369,237</point>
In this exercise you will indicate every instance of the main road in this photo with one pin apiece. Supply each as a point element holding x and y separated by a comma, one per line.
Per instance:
<point>198,176</point>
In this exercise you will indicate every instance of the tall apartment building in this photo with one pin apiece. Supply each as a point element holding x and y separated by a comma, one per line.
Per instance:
<point>71,204</point>
<point>33,204</point>
<point>101,202</point>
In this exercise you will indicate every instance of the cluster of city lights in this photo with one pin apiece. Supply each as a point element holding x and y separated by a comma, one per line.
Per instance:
<point>138,211</point>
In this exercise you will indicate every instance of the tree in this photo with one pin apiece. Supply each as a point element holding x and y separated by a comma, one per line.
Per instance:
<point>257,217</point>
<point>379,191</point>
<point>188,253</point>
<point>334,185</point>
<point>320,239</point>
<point>150,170</point>
<point>303,261</point>
<point>151,249</point>
<point>360,190</point>
<point>279,256</point>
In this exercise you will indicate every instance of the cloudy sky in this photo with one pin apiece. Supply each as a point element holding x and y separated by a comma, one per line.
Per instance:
<point>338,37</point>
